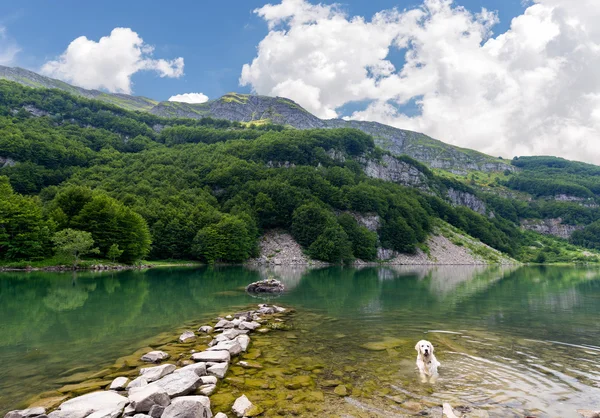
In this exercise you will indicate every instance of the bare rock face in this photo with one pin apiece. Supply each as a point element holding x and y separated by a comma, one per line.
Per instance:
<point>395,170</point>
<point>265,286</point>
<point>553,227</point>
<point>469,200</point>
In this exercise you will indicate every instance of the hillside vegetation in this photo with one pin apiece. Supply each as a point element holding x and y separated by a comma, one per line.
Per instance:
<point>203,189</point>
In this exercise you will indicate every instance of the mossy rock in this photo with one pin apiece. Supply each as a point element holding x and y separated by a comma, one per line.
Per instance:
<point>254,411</point>
<point>85,387</point>
<point>387,343</point>
<point>341,390</point>
<point>330,383</point>
<point>298,382</point>
<point>256,383</point>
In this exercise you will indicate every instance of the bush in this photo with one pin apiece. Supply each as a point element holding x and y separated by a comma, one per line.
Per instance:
<point>332,246</point>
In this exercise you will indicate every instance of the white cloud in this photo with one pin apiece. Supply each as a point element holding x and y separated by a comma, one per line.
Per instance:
<point>110,62</point>
<point>189,98</point>
<point>534,89</point>
<point>8,48</point>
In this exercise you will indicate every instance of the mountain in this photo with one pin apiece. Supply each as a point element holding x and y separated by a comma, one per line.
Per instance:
<point>279,110</point>
<point>203,184</point>
<point>31,79</point>
<point>260,109</point>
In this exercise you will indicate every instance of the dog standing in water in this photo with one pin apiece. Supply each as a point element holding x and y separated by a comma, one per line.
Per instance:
<point>426,361</point>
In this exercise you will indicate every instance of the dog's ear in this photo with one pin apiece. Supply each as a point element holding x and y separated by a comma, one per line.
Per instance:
<point>417,347</point>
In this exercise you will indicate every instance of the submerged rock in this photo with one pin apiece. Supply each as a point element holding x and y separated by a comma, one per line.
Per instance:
<point>155,356</point>
<point>265,286</point>
<point>187,336</point>
<point>205,329</point>
<point>189,407</point>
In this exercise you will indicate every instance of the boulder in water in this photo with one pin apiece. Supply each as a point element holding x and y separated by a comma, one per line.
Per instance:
<point>265,286</point>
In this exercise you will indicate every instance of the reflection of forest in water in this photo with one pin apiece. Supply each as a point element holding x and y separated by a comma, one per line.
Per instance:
<point>52,322</point>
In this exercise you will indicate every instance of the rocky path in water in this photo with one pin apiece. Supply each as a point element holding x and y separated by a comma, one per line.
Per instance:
<point>268,361</point>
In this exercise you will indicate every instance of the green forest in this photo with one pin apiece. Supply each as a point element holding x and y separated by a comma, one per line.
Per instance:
<point>84,177</point>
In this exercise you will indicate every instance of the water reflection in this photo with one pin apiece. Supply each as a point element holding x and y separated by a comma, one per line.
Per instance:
<point>53,322</point>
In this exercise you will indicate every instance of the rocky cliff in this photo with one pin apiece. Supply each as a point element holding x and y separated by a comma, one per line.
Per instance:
<point>553,227</point>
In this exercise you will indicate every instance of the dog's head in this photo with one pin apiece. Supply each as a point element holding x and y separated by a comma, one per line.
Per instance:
<point>424,347</point>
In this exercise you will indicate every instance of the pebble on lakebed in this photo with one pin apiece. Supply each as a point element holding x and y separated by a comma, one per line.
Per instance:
<point>132,389</point>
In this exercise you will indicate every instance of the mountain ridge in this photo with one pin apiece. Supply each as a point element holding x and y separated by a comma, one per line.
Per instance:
<point>259,109</point>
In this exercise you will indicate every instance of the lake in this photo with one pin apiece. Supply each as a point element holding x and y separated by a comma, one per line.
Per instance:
<point>511,340</point>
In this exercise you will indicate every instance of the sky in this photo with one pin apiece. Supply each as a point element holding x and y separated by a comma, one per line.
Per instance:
<point>506,77</point>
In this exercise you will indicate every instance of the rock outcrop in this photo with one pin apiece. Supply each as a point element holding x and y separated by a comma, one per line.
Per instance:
<point>550,226</point>
<point>395,170</point>
<point>460,198</point>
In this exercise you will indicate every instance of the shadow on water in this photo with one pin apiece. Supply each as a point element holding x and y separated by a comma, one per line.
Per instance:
<point>511,340</point>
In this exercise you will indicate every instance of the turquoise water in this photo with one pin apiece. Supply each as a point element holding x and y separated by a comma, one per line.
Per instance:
<point>511,340</point>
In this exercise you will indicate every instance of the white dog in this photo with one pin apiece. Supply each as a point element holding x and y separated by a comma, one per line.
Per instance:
<point>426,361</point>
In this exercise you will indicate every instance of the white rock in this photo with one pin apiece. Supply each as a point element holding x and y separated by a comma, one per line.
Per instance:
<point>236,322</point>
<point>207,390</point>
<point>144,398</point>
<point>142,416</point>
<point>198,368</point>
<point>241,406</point>
<point>188,407</point>
<point>138,382</point>
<point>229,317</point>
<point>26,413</point>
<point>68,414</point>
<point>279,309</point>
<point>244,341</point>
<point>179,384</point>
<point>249,325</point>
<point>219,370</point>
<point>155,356</point>
<point>208,380</point>
<point>95,401</point>
<point>152,374</point>
<point>187,336</point>
<point>216,356</point>
<point>232,346</point>
<point>223,323</point>
<point>231,333</point>
<point>205,329</point>
<point>220,415</point>
<point>120,383</point>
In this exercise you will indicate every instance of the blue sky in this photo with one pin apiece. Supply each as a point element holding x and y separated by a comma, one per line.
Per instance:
<point>215,38</point>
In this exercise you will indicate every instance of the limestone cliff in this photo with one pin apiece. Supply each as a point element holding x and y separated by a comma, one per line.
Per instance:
<point>553,227</point>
